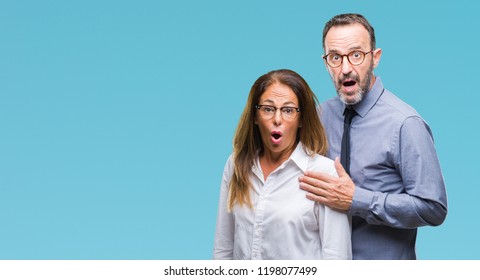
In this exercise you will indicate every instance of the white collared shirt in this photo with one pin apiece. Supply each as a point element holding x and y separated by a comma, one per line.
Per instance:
<point>283,223</point>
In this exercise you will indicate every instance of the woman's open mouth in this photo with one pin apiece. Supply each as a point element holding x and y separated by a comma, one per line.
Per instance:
<point>276,136</point>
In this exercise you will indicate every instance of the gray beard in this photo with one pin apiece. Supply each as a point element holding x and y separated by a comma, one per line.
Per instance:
<point>358,96</point>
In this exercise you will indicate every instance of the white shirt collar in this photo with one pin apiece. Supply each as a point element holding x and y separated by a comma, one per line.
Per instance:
<point>298,156</point>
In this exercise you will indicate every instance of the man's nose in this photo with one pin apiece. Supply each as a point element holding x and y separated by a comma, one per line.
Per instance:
<point>346,66</point>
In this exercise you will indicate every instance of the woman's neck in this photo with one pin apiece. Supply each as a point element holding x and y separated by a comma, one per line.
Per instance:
<point>270,161</point>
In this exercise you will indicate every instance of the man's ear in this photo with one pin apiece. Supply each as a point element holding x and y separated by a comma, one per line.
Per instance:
<point>376,57</point>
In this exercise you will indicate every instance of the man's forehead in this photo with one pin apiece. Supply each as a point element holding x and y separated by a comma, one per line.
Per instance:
<point>347,37</point>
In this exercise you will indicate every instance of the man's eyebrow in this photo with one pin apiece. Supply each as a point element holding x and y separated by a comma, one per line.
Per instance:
<point>354,48</point>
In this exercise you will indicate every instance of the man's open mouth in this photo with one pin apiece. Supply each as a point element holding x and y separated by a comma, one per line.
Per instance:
<point>349,83</point>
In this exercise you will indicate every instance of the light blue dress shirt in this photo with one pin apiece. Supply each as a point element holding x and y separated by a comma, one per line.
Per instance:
<point>394,165</point>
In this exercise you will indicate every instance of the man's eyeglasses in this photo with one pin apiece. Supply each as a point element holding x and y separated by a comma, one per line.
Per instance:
<point>354,57</point>
<point>267,112</point>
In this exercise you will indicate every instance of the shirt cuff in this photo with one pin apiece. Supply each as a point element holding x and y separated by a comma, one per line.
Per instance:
<point>361,201</point>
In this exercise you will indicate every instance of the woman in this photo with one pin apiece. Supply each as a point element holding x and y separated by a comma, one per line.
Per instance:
<point>263,214</point>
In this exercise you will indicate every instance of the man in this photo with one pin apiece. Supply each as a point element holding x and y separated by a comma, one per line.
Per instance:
<point>396,184</point>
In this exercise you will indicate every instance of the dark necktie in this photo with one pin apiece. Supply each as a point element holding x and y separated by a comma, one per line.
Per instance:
<point>349,113</point>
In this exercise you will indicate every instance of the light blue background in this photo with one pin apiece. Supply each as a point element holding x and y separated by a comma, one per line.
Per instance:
<point>116,117</point>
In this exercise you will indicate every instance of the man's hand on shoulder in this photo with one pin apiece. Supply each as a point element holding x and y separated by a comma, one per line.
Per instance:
<point>335,192</point>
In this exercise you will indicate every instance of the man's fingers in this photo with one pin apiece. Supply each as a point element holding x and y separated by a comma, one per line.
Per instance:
<point>320,177</point>
<point>323,191</point>
<point>317,198</point>
<point>311,188</point>
<point>313,181</point>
